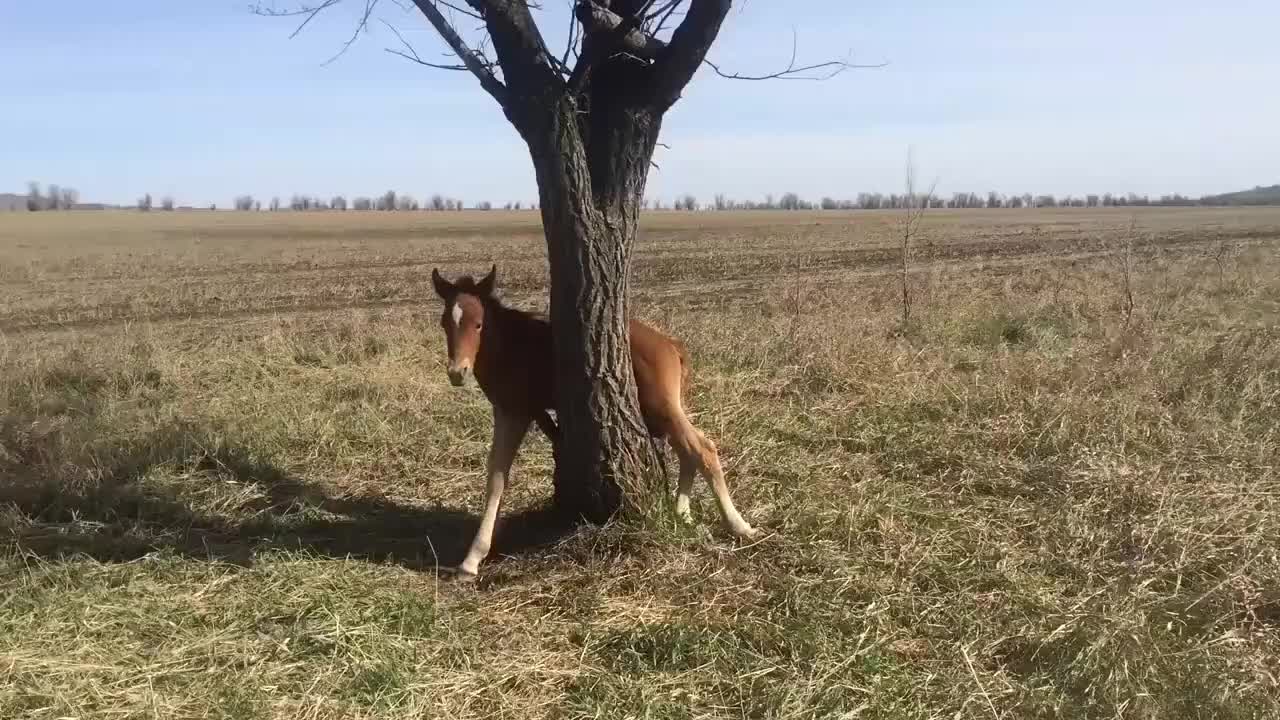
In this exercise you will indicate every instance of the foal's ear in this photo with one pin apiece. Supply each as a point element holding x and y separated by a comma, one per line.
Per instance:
<point>444,288</point>
<point>485,286</point>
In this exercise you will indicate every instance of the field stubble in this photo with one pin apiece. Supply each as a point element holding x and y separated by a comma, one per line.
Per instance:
<point>230,463</point>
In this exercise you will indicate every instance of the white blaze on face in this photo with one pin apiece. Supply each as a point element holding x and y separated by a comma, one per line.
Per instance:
<point>457,314</point>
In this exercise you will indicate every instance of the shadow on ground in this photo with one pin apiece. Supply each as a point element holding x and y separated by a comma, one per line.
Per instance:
<point>53,508</point>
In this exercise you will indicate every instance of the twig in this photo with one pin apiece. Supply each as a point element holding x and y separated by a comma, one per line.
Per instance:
<point>572,42</point>
<point>464,11</point>
<point>310,12</point>
<point>413,54</point>
<point>974,673</point>
<point>667,10</point>
<point>369,5</point>
<point>791,72</point>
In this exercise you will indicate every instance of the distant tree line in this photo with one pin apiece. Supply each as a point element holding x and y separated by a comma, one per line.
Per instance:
<point>146,204</point>
<point>53,198</point>
<point>387,201</point>
<point>57,197</point>
<point>880,201</point>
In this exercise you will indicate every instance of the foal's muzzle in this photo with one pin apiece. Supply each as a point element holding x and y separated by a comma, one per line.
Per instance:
<point>458,376</point>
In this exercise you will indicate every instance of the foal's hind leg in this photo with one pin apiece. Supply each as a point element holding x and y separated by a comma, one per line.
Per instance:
<point>685,487</point>
<point>695,450</point>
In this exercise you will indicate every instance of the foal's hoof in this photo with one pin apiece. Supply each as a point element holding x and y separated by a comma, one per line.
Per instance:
<point>459,575</point>
<point>750,534</point>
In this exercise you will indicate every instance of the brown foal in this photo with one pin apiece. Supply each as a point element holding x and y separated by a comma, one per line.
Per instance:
<point>509,352</point>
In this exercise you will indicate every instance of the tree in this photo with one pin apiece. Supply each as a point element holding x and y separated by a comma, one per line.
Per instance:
<point>590,128</point>
<point>244,203</point>
<point>53,198</point>
<point>35,202</point>
<point>913,205</point>
<point>144,203</point>
<point>166,203</point>
<point>275,204</point>
<point>339,202</point>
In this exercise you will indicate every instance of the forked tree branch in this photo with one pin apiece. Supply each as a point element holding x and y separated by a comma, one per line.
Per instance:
<point>529,68</point>
<point>630,37</point>
<point>676,64</point>
<point>606,33</point>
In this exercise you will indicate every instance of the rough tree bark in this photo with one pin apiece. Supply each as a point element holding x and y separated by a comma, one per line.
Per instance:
<point>591,169</point>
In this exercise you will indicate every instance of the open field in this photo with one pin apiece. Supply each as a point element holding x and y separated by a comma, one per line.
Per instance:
<point>230,462</point>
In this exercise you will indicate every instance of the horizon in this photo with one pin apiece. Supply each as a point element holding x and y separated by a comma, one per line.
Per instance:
<point>771,201</point>
<point>208,102</point>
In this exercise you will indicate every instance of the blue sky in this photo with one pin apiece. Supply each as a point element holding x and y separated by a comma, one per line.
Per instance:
<point>204,101</point>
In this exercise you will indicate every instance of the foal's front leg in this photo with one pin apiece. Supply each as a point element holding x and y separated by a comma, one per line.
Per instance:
<point>508,433</point>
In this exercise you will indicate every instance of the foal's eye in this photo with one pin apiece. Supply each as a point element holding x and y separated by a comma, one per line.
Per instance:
<point>479,325</point>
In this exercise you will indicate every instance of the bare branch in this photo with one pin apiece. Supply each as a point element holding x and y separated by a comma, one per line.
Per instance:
<point>369,5</point>
<point>666,12</point>
<point>470,60</point>
<point>422,62</point>
<point>572,42</point>
<point>309,11</point>
<point>829,69</point>
<point>464,11</point>
<point>410,54</point>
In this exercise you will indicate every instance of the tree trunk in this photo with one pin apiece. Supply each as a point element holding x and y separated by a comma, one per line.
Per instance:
<point>591,169</point>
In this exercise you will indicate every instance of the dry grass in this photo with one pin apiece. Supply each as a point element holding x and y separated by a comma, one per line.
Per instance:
<point>1022,507</point>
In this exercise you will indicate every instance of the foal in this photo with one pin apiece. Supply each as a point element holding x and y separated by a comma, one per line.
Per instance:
<point>511,356</point>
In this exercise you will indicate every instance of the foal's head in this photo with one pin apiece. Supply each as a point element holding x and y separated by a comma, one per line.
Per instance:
<point>463,319</point>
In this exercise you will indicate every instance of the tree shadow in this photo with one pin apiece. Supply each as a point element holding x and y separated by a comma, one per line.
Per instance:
<point>53,510</point>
